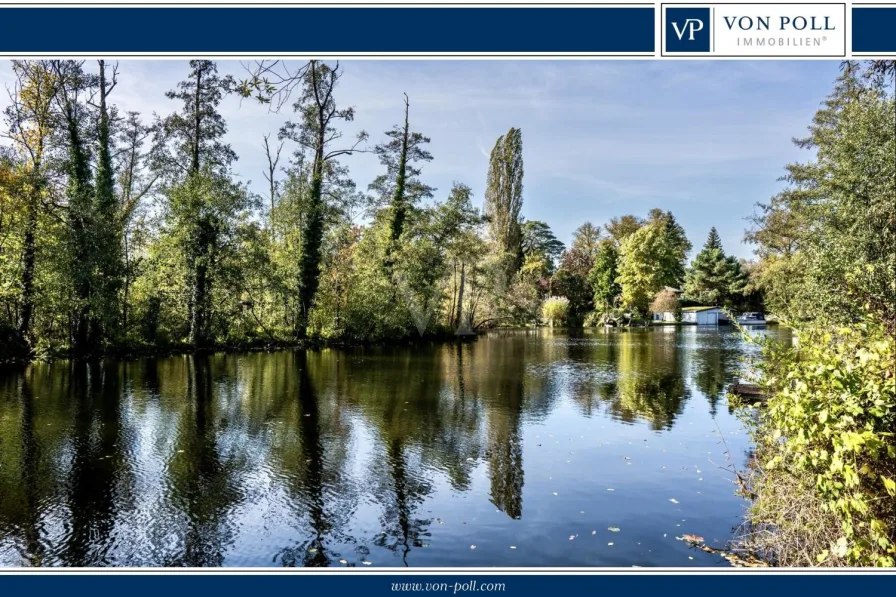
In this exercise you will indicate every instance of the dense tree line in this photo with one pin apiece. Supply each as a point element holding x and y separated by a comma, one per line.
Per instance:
<point>119,233</point>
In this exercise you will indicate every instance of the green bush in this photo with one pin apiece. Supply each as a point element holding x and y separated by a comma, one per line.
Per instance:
<point>556,308</point>
<point>824,489</point>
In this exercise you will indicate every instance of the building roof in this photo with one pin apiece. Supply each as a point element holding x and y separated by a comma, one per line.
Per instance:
<point>698,308</point>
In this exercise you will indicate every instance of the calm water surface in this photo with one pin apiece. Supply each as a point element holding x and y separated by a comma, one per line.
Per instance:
<point>528,445</point>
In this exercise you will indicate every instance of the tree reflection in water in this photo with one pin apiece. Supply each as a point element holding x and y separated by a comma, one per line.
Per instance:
<point>314,458</point>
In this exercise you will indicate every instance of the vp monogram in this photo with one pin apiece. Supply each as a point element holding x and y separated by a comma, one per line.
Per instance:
<point>691,26</point>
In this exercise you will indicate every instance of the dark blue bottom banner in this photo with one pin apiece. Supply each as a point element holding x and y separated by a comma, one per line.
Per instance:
<point>731,584</point>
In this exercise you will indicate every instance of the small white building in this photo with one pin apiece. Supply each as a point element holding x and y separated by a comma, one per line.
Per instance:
<point>701,315</point>
<point>664,316</point>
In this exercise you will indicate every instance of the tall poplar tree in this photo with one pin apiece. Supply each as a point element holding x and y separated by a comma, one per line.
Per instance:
<point>504,197</point>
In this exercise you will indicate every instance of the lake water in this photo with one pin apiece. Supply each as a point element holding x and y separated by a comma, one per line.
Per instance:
<point>539,448</point>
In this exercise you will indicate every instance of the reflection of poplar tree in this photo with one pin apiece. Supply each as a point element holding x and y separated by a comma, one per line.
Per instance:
<point>504,433</point>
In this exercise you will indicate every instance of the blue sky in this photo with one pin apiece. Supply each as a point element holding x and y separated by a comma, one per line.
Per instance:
<point>706,140</point>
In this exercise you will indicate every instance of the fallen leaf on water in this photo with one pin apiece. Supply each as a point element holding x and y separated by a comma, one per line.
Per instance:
<point>610,543</point>
<point>472,547</point>
<point>694,538</point>
<point>312,550</point>
<point>673,500</point>
<point>343,561</point>
<point>593,532</point>
<point>571,537</point>
<point>613,529</point>
<point>366,563</point>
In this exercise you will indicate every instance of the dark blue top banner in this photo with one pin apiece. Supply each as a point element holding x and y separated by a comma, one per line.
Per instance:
<point>346,30</point>
<point>874,30</point>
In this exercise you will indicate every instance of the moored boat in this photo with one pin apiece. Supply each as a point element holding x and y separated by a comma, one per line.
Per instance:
<point>751,318</point>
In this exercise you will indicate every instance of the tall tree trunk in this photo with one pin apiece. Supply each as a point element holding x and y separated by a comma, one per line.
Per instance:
<point>197,124</point>
<point>198,335</point>
<point>81,231</point>
<point>28,257</point>
<point>106,224</point>
<point>197,270</point>
<point>399,207</point>
<point>312,236</point>
<point>460,299</point>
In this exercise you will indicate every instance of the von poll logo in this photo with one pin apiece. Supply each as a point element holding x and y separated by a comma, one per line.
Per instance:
<point>687,29</point>
<point>754,30</point>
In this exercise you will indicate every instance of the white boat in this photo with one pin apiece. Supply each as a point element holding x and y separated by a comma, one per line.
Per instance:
<point>751,319</point>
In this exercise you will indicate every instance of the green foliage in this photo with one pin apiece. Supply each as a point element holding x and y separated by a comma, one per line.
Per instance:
<point>825,491</point>
<point>649,260</point>
<point>603,277</point>
<point>540,244</point>
<point>715,278</point>
<point>504,197</point>
<point>400,187</point>
<point>572,279</point>
<point>556,308</point>
<point>831,419</point>
<point>827,240</point>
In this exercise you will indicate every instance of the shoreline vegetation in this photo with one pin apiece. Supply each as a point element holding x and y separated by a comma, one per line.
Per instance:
<point>122,235</point>
<point>822,479</point>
